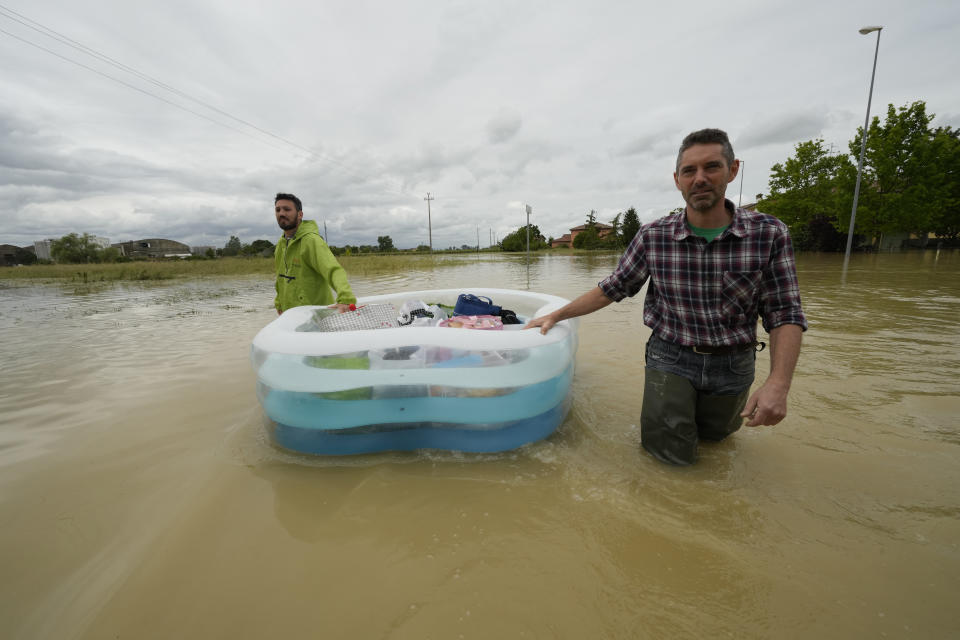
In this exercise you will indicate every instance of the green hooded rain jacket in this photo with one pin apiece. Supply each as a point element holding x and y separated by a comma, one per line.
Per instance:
<point>307,270</point>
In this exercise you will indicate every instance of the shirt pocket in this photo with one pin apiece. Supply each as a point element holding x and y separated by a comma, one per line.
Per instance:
<point>739,295</point>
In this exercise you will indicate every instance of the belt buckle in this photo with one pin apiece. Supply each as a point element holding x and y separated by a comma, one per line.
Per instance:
<point>696,349</point>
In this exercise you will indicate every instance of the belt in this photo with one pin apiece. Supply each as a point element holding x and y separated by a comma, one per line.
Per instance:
<point>725,349</point>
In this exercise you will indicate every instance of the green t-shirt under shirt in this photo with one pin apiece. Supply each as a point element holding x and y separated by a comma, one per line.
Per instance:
<point>707,234</point>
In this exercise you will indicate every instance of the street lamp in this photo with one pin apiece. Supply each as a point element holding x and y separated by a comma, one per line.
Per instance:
<point>742,171</point>
<point>863,146</point>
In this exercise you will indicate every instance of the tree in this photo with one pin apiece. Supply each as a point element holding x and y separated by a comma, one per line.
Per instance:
<point>256,247</point>
<point>613,238</point>
<point>804,194</point>
<point>385,243</point>
<point>909,174</point>
<point>72,248</point>
<point>587,239</point>
<point>592,218</point>
<point>24,256</point>
<point>630,226</point>
<point>517,241</point>
<point>232,247</point>
<point>946,221</point>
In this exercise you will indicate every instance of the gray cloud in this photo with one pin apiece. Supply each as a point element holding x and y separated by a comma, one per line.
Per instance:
<point>410,99</point>
<point>503,126</point>
<point>790,127</point>
<point>647,144</point>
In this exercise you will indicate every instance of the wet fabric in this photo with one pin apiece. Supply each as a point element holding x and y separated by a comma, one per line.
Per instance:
<point>689,397</point>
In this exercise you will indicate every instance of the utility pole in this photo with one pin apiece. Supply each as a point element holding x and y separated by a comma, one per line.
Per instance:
<point>429,223</point>
<point>529,211</point>
<point>325,232</point>
<point>742,171</point>
<point>478,238</point>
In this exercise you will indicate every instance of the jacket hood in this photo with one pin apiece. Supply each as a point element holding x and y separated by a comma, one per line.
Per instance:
<point>306,227</point>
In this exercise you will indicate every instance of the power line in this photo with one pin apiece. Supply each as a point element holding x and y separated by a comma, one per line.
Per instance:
<point>48,32</point>
<point>36,26</point>
<point>136,88</point>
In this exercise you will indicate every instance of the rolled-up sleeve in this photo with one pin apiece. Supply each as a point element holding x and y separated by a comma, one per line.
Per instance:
<point>631,272</point>
<point>780,292</point>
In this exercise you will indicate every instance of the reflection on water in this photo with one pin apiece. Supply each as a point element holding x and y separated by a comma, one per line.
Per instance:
<point>141,497</point>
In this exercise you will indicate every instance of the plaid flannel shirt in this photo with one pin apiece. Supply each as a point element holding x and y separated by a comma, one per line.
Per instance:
<point>712,293</point>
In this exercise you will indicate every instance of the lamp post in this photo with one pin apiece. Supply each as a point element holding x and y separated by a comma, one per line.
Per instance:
<point>742,171</point>
<point>863,146</point>
<point>529,211</point>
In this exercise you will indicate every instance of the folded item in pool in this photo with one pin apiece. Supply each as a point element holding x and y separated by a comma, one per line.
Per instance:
<point>369,316</point>
<point>473,322</point>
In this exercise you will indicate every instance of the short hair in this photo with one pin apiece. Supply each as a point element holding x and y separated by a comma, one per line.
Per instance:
<point>708,136</point>
<point>292,198</point>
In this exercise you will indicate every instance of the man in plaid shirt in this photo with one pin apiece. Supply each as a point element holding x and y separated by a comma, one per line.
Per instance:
<point>711,271</point>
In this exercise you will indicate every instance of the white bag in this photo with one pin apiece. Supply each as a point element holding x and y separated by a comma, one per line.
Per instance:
<point>417,313</point>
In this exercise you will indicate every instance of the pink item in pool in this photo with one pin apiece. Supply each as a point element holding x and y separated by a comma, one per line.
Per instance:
<point>473,322</point>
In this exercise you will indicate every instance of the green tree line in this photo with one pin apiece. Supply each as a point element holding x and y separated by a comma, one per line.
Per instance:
<point>910,184</point>
<point>622,229</point>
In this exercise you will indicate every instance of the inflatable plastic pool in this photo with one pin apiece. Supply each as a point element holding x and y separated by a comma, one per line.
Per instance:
<point>415,387</point>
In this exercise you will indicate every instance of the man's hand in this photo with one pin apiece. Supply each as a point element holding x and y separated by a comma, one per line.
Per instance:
<point>587,303</point>
<point>544,322</point>
<point>766,406</point>
<point>342,308</point>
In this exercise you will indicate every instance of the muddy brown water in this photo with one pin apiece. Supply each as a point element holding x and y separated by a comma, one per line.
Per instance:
<point>141,498</point>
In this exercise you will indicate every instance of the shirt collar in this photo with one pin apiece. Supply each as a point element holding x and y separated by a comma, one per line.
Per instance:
<point>737,226</point>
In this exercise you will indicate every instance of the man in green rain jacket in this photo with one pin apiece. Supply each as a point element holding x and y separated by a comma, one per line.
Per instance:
<point>306,269</point>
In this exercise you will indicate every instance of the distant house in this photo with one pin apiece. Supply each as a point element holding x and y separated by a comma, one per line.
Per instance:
<point>152,248</point>
<point>566,240</point>
<point>12,255</point>
<point>8,254</point>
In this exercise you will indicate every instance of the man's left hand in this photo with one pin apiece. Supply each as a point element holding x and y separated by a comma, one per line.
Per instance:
<point>766,406</point>
<point>342,308</point>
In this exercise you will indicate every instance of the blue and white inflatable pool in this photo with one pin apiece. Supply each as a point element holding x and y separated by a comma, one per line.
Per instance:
<point>415,387</point>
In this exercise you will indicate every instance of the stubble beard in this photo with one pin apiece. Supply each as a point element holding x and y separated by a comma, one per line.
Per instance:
<point>702,202</point>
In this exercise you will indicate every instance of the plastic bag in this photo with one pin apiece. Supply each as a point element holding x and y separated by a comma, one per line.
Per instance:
<point>417,313</point>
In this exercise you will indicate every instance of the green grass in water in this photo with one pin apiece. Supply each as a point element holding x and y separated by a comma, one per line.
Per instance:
<point>363,265</point>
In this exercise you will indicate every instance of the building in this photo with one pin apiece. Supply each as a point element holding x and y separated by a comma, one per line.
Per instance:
<point>12,255</point>
<point>42,249</point>
<point>563,241</point>
<point>201,250</point>
<point>152,248</point>
<point>566,240</point>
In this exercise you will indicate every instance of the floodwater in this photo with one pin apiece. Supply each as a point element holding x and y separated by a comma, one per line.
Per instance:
<point>141,498</point>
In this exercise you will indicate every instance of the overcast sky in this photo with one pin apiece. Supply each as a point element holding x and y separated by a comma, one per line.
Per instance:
<point>362,108</point>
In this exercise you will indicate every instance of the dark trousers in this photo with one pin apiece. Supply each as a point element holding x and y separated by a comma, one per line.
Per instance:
<point>689,397</point>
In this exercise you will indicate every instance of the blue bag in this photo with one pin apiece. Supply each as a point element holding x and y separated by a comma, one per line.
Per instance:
<point>471,305</point>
